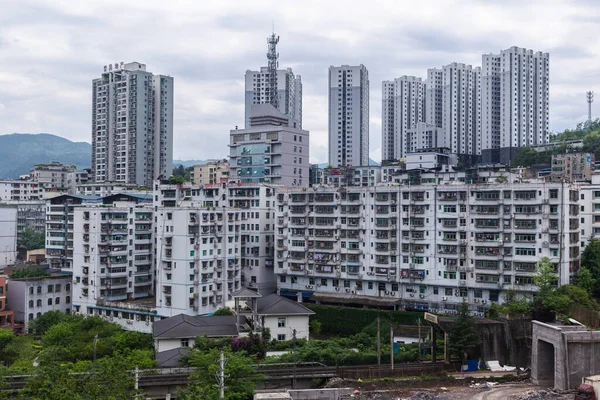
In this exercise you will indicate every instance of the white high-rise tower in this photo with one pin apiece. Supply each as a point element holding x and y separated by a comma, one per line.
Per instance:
<point>348,116</point>
<point>132,125</point>
<point>287,86</point>
<point>514,102</point>
<point>403,107</point>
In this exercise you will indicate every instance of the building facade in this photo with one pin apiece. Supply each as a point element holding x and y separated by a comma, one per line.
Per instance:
<point>30,298</point>
<point>56,178</point>
<point>427,246</point>
<point>213,172</point>
<point>514,102</point>
<point>461,109</point>
<point>348,116</point>
<point>132,125</point>
<point>256,203</point>
<point>8,234</point>
<point>272,150</point>
<point>403,107</point>
<point>573,166</point>
<point>198,259</point>
<point>20,190</point>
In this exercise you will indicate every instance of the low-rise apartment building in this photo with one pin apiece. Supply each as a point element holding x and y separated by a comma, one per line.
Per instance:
<point>31,297</point>
<point>426,246</point>
<point>20,190</point>
<point>211,173</point>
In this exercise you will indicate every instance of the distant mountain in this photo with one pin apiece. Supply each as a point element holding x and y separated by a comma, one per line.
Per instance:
<point>187,163</point>
<point>20,152</point>
<point>371,163</point>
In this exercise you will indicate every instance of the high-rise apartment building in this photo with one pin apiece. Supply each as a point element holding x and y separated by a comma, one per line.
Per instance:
<point>403,107</point>
<point>287,87</point>
<point>433,96</point>
<point>132,125</point>
<point>273,149</point>
<point>461,109</point>
<point>514,102</point>
<point>348,116</point>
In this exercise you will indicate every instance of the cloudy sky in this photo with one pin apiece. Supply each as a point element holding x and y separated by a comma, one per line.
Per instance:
<point>50,50</point>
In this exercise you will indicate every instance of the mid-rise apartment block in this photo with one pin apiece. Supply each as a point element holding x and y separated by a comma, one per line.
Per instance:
<point>514,102</point>
<point>198,259</point>
<point>132,125</point>
<point>272,150</point>
<point>256,203</point>
<point>106,188</point>
<point>210,173</point>
<point>8,234</point>
<point>20,190</point>
<point>56,178</point>
<point>428,246</point>
<point>348,116</point>
<point>403,107</point>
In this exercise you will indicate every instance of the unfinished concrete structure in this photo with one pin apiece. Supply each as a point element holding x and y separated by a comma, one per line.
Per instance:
<point>561,355</point>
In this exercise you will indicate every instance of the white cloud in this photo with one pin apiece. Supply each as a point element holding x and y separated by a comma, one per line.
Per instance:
<point>52,49</point>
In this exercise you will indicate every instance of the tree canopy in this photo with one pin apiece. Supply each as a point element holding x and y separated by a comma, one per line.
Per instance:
<point>29,272</point>
<point>590,260</point>
<point>31,239</point>
<point>463,336</point>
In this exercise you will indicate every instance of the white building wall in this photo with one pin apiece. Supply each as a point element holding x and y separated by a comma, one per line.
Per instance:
<point>8,235</point>
<point>30,298</point>
<point>291,323</point>
<point>20,190</point>
<point>348,116</point>
<point>170,344</point>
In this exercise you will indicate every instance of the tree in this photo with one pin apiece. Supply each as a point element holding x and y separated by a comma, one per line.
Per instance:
<point>223,312</point>
<point>525,157</point>
<point>241,376</point>
<point>585,280</point>
<point>7,351</point>
<point>315,327</point>
<point>41,324</point>
<point>547,280</point>
<point>31,239</point>
<point>590,259</point>
<point>463,336</point>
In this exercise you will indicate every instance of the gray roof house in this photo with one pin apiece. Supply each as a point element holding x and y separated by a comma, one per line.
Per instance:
<point>181,330</point>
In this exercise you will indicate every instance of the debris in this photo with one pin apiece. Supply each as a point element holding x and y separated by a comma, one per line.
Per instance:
<point>535,395</point>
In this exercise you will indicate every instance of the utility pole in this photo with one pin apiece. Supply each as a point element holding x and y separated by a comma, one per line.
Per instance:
<point>294,370</point>
<point>378,339</point>
<point>220,375</point>
<point>590,99</point>
<point>137,380</point>
<point>419,339</point>
<point>95,343</point>
<point>391,345</point>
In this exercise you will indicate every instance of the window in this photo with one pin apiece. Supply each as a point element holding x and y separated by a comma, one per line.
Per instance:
<point>30,303</point>
<point>185,342</point>
<point>281,336</point>
<point>39,303</point>
<point>57,300</point>
<point>31,290</point>
<point>68,300</point>
<point>30,316</point>
<point>50,301</point>
<point>281,322</point>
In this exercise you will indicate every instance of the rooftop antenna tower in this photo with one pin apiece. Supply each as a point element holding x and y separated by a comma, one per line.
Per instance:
<point>590,100</point>
<point>273,56</point>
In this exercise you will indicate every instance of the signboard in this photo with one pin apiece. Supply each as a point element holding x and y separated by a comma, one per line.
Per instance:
<point>396,347</point>
<point>431,318</point>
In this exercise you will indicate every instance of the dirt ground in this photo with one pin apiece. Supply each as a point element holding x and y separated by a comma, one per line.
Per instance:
<point>461,390</point>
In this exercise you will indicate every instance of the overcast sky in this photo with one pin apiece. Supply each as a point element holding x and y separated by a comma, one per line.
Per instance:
<point>50,50</point>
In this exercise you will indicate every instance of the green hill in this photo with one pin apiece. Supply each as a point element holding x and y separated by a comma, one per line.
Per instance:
<point>19,152</point>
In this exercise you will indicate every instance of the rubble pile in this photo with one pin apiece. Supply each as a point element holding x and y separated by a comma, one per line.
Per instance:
<point>427,396</point>
<point>535,395</point>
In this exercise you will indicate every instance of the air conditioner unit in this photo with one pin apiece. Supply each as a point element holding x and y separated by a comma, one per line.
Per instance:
<point>422,296</point>
<point>392,293</point>
<point>354,292</point>
<point>347,290</point>
<point>337,288</point>
<point>318,285</point>
<point>483,301</point>
<point>476,300</point>
<point>412,295</point>
<point>387,292</point>
<point>307,286</point>
<point>444,298</point>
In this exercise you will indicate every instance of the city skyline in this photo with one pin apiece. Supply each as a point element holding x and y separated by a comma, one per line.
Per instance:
<point>36,96</point>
